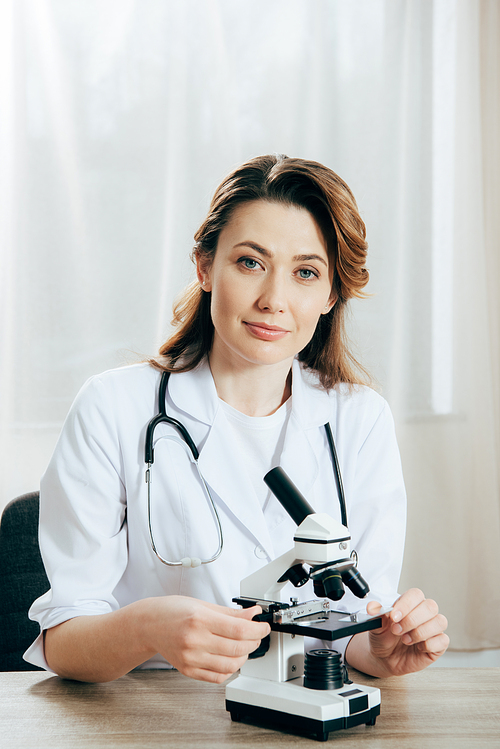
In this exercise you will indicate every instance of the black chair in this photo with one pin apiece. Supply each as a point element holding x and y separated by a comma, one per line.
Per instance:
<point>22,580</point>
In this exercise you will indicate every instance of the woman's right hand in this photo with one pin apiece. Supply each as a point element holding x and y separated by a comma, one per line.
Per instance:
<point>202,640</point>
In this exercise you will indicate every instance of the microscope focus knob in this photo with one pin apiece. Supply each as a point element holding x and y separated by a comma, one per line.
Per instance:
<point>266,641</point>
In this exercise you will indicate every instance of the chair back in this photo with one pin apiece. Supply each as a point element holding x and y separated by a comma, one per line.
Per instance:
<point>22,580</point>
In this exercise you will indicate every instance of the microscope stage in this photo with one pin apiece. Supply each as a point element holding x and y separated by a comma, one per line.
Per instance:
<point>328,625</point>
<point>333,626</point>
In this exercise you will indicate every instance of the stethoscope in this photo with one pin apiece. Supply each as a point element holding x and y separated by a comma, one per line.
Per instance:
<point>162,418</point>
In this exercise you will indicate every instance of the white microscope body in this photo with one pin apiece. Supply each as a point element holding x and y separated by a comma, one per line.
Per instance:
<point>272,687</point>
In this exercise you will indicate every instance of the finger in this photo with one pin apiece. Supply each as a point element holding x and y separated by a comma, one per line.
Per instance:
<point>426,611</point>
<point>219,663</point>
<point>229,611</point>
<point>224,646</point>
<point>373,607</point>
<point>435,645</point>
<point>198,649</point>
<point>406,603</point>
<point>426,631</point>
<point>202,674</point>
<point>237,628</point>
<point>248,613</point>
<point>210,676</point>
<point>245,613</point>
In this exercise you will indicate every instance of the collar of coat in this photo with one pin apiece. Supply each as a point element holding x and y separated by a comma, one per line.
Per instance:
<point>194,394</point>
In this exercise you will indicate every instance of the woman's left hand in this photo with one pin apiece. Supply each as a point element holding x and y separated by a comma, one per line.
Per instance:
<point>412,636</point>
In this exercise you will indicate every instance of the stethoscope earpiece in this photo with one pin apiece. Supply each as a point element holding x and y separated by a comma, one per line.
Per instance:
<point>191,562</point>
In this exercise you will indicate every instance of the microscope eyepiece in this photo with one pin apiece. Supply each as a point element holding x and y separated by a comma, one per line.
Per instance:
<point>287,493</point>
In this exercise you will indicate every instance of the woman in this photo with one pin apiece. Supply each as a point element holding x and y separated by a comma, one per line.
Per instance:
<point>258,365</point>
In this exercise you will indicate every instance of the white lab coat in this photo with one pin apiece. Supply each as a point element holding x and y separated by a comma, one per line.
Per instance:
<point>94,533</point>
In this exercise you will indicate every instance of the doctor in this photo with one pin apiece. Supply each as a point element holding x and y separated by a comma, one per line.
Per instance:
<point>259,365</point>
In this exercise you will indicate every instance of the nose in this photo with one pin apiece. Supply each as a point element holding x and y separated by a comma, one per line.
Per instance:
<point>272,296</point>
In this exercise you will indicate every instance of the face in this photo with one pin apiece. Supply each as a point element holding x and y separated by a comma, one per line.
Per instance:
<point>270,280</point>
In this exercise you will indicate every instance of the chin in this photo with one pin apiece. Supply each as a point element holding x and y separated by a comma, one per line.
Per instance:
<point>269,359</point>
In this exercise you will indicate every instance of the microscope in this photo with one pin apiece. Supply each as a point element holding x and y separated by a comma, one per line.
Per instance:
<point>279,683</point>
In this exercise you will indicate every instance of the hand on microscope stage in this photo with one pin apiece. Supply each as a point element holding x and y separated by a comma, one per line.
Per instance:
<point>412,637</point>
<point>203,640</point>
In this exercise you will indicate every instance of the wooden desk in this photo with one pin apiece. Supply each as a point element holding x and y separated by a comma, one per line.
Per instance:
<point>435,709</point>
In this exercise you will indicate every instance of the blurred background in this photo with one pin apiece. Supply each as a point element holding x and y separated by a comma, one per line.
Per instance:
<point>119,118</point>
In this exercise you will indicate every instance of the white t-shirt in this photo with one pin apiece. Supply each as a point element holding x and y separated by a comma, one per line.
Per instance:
<point>260,440</point>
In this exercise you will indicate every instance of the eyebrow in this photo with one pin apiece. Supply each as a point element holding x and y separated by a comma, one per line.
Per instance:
<point>266,253</point>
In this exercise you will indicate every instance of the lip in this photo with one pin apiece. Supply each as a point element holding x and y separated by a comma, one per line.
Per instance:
<point>266,332</point>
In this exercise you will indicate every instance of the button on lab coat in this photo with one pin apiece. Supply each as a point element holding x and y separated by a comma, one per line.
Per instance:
<point>94,533</point>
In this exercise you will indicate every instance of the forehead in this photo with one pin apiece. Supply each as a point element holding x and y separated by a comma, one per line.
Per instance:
<point>275,227</point>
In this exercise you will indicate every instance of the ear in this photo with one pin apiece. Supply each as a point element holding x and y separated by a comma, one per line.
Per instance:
<point>203,272</point>
<point>330,304</point>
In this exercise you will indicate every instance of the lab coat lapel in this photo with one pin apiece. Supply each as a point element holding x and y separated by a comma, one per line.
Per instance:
<point>310,410</point>
<point>298,459</point>
<point>194,393</point>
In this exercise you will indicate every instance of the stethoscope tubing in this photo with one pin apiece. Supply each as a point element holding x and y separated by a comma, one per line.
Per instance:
<point>163,418</point>
<point>186,561</point>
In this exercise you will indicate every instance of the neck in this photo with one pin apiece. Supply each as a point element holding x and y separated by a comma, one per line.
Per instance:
<point>255,391</point>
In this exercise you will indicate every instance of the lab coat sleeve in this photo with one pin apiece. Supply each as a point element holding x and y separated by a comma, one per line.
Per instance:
<point>82,515</point>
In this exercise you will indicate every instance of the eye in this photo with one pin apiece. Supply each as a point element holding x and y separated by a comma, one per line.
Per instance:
<point>307,273</point>
<point>249,263</point>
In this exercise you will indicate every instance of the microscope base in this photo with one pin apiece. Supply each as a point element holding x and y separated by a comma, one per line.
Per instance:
<point>295,707</point>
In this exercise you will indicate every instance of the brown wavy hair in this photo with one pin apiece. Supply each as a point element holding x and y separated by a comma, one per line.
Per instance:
<point>294,182</point>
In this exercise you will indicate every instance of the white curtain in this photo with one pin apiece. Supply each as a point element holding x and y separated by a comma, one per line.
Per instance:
<point>119,118</point>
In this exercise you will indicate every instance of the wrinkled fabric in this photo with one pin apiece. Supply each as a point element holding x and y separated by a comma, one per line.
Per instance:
<point>94,533</point>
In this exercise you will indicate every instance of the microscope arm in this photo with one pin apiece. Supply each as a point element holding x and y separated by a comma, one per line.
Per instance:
<point>263,584</point>
<point>319,539</point>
